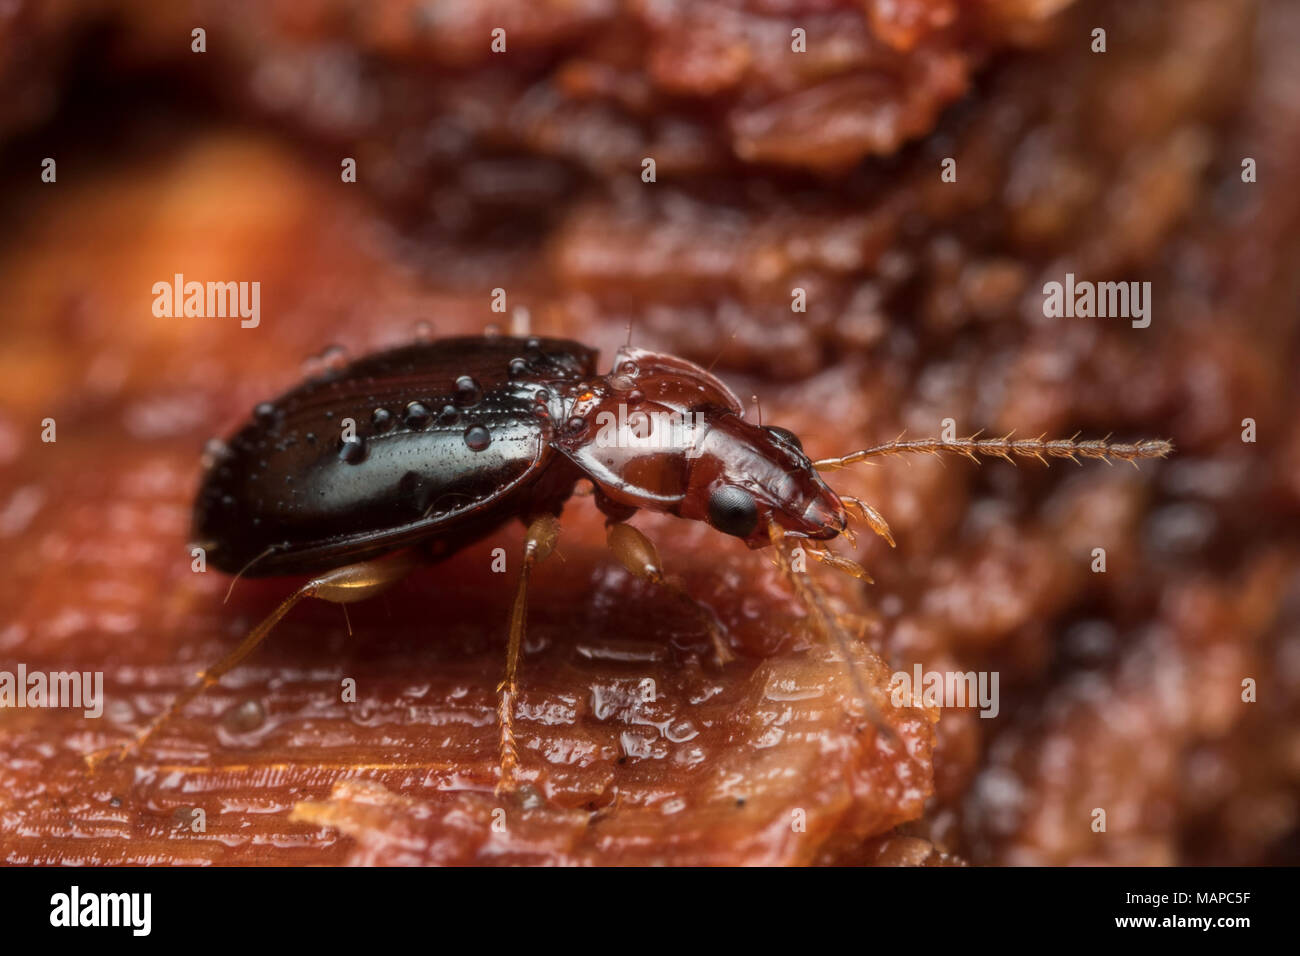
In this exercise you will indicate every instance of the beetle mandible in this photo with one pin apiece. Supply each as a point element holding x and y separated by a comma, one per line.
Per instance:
<point>456,437</point>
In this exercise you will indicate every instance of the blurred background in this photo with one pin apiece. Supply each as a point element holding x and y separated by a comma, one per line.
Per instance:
<point>775,170</point>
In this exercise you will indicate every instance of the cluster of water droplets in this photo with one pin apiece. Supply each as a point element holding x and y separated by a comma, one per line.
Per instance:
<point>466,394</point>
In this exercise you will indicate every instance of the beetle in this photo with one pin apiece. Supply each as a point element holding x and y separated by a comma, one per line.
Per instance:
<point>406,456</point>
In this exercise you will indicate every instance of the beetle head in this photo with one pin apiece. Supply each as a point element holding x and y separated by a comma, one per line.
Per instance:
<point>747,477</point>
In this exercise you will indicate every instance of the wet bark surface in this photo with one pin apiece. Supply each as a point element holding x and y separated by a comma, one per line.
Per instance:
<point>1119,690</point>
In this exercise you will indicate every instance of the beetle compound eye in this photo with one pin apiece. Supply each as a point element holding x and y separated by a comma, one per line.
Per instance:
<point>785,435</point>
<point>733,511</point>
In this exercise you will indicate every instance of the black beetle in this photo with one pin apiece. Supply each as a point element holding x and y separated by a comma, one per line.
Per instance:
<point>406,456</point>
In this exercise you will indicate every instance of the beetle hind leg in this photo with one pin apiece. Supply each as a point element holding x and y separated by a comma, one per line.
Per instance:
<point>539,542</point>
<point>353,582</point>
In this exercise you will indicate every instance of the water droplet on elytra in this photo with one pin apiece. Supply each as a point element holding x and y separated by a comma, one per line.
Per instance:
<point>417,415</point>
<point>628,368</point>
<point>214,451</point>
<point>576,425</point>
<point>352,452</point>
<point>381,419</point>
<point>265,412</point>
<point>518,367</point>
<point>468,392</point>
<point>477,437</point>
<point>449,415</point>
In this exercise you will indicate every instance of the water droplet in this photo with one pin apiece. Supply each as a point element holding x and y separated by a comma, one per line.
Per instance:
<point>353,452</point>
<point>214,451</point>
<point>628,368</point>
<point>265,413</point>
<point>449,415</point>
<point>477,437</point>
<point>381,419</point>
<point>423,332</point>
<point>542,396</point>
<point>576,425</point>
<point>680,731</point>
<point>518,367</point>
<point>468,392</point>
<point>334,358</point>
<point>635,397</point>
<point>311,438</point>
<point>417,415</point>
<point>534,344</point>
<point>244,717</point>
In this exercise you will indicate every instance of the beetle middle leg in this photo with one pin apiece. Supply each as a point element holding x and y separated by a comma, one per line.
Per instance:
<point>539,542</point>
<point>639,555</point>
<point>353,582</point>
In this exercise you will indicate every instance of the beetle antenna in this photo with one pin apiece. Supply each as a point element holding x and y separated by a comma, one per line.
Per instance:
<point>1009,448</point>
<point>628,344</point>
<point>759,406</point>
<point>727,342</point>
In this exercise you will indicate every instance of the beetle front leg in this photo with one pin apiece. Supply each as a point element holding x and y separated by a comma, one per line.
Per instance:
<point>353,582</point>
<point>539,542</point>
<point>638,554</point>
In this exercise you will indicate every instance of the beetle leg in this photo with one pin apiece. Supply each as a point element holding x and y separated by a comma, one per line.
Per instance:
<point>539,542</point>
<point>353,582</point>
<point>828,627</point>
<point>639,555</point>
